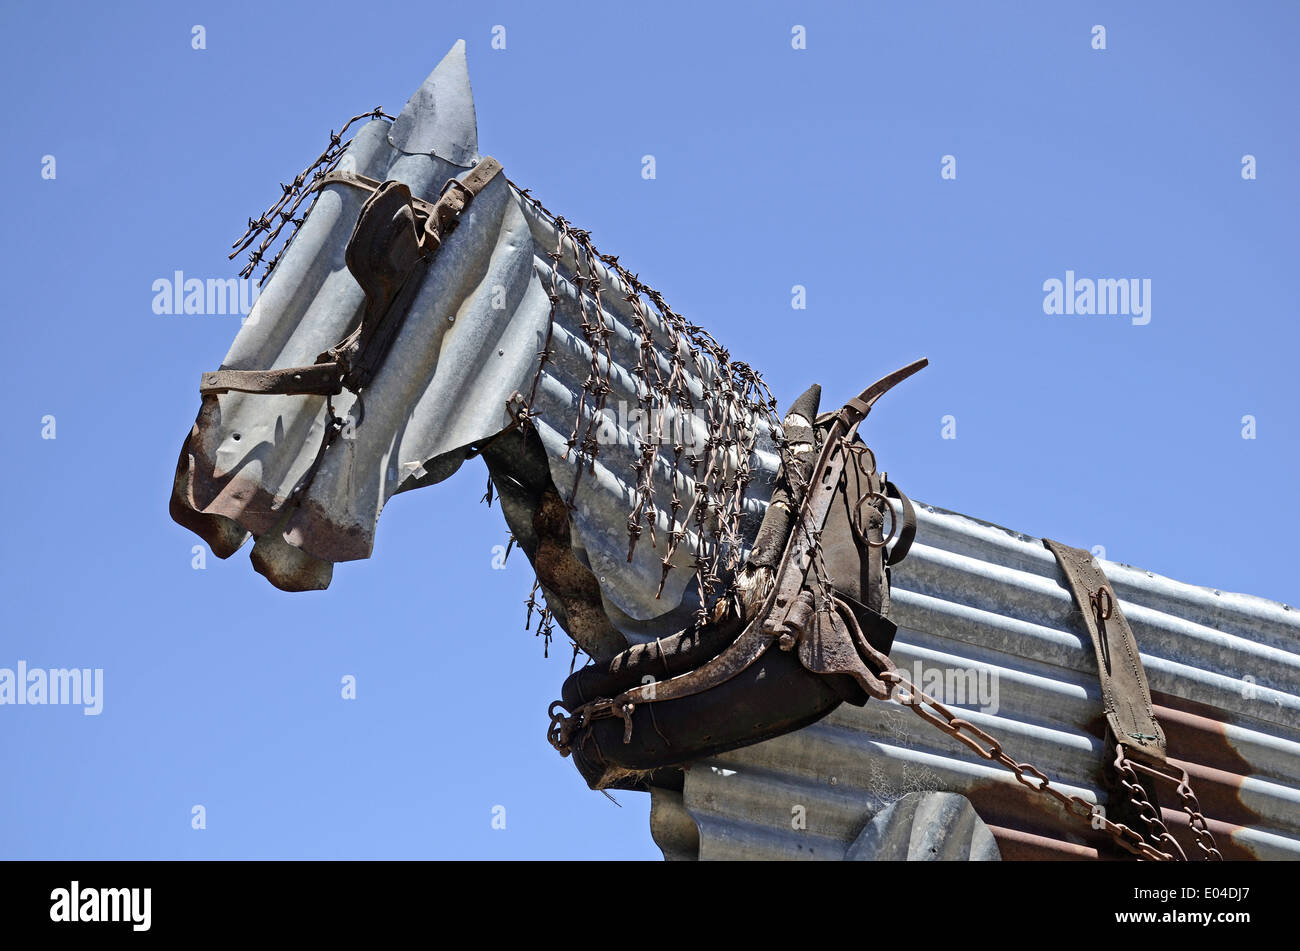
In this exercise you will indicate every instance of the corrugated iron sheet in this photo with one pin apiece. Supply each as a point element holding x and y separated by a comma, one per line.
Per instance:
<point>1224,670</point>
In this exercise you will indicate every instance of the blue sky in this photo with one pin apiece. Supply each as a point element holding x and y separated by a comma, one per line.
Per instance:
<point>775,167</point>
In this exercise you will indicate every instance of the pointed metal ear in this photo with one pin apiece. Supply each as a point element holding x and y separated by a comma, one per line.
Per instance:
<point>439,118</point>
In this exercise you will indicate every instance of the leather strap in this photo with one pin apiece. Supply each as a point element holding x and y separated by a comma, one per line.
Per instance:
<point>906,531</point>
<point>1124,691</point>
<point>395,236</point>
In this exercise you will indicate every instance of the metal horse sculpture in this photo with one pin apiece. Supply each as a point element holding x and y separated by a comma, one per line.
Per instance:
<point>726,569</point>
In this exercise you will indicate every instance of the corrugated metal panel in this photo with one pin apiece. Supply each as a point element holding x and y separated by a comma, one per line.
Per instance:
<point>1224,670</point>
<point>471,340</point>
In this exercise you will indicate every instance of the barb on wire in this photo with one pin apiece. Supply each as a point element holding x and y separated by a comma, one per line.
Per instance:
<point>671,353</point>
<point>284,210</point>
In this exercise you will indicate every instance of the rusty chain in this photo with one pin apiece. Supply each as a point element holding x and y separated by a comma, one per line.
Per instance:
<point>1147,810</point>
<point>1191,805</point>
<point>1196,820</point>
<point>989,748</point>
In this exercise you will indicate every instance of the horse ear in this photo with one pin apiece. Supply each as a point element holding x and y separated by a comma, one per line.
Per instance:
<point>439,117</point>
<point>804,410</point>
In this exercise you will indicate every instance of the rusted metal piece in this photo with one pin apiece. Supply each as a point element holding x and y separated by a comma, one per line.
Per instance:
<point>832,642</point>
<point>1177,775</point>
<point>1017,845</point>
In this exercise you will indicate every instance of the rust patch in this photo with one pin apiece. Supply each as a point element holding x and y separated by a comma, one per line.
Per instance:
<point>1198,742</point>
<point>1197,726</point>
<point>1027,823</point>
<point>1017,845</point>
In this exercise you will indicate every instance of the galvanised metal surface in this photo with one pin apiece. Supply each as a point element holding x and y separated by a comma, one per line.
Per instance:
<point>472,339</point>
<point>981,610</point>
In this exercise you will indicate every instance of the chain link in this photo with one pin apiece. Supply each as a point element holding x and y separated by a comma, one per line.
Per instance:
<point>1147,811</point>
<point>1182,783</point>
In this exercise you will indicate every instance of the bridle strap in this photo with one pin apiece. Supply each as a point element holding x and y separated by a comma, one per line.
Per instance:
<point>371,256</point>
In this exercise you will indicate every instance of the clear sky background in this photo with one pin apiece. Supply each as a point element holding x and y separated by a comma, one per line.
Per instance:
<point>775,167</point>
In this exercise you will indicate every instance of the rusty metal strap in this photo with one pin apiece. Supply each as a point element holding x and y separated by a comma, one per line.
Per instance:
<point>339,176</point>
<point>1124,691</point>
<point>456,193</point>
<point>320,379</point>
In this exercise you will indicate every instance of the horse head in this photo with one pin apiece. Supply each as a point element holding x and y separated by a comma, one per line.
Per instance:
<point>428,310</point>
